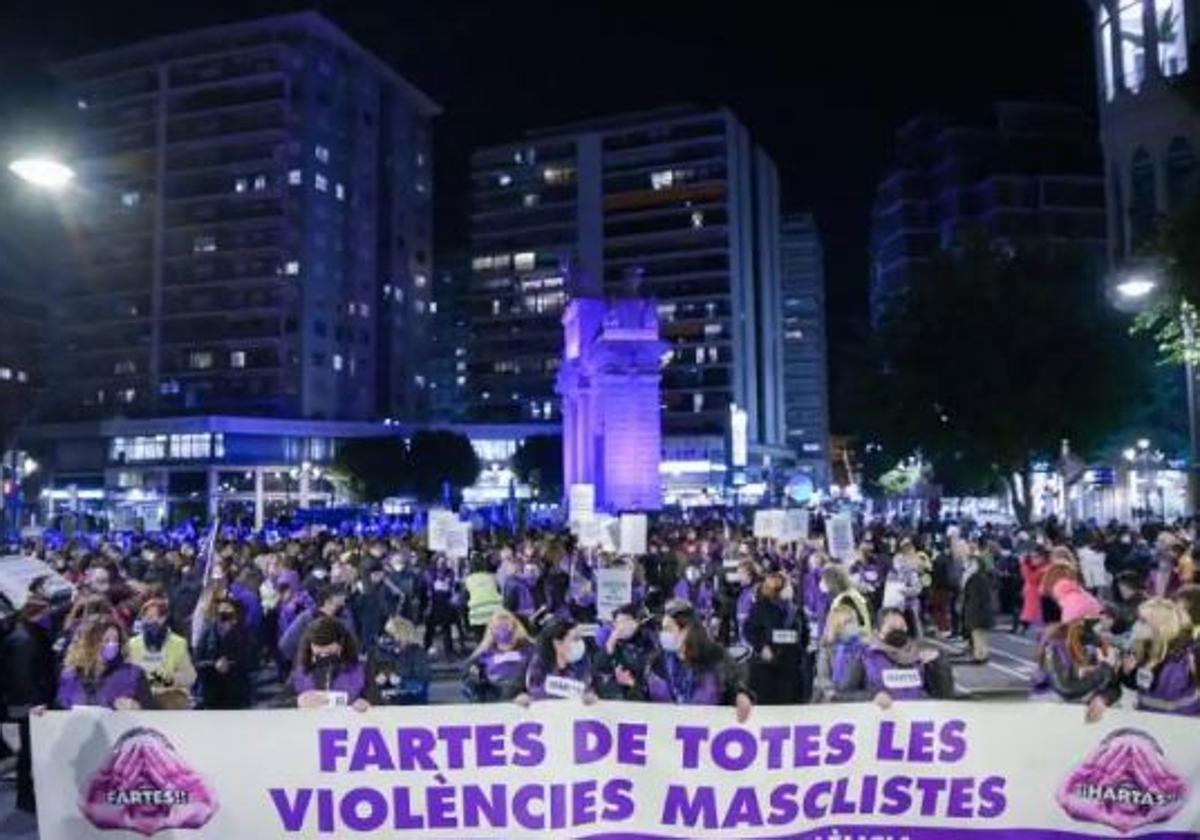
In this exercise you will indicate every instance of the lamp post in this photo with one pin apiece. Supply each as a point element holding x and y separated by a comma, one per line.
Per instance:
<point>1134,286</point>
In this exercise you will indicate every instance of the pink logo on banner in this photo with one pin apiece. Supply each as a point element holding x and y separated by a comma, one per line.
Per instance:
<point>145,786</point>
<point>1125,784</point>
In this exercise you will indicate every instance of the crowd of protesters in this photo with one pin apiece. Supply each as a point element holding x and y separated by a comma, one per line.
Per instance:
<point>714,617</point>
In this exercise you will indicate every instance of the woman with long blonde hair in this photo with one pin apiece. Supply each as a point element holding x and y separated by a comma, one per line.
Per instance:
<point>1162,666</point>
<point>95,672</point>
<point>496,670</point>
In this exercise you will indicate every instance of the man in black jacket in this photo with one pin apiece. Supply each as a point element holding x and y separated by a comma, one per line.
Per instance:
<point>30,678</point>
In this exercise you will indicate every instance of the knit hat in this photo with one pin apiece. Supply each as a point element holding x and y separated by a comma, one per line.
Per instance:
<point>1075,602</point>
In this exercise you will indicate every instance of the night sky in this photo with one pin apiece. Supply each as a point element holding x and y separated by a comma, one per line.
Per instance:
<point>822,86</point>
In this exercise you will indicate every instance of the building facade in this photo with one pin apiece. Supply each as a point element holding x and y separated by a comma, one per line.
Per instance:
<point>252,228</point>
<point>805,346</point>
<point>448,343</point>
<point>678,203</point>
<point>1033,172</point>
<point>1149,114</point>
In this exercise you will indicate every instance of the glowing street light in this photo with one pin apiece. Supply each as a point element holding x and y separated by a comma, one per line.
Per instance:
<point>1136,287</point>
<point>42,172</point>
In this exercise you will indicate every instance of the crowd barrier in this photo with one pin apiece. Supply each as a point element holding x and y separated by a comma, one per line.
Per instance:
<point>925,771</point>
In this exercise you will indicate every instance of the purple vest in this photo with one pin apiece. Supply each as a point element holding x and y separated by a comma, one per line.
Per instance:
<point>1170,688</point>
<point>506,666</point>
<point>525,602</point>
<point>842,657</point>
<point>350,679</point>
<point>744,602</point>
<point>699,595</point>
<point>251,608</point>
<point>288,612</point>
<point>903,682</point>
<point>121,681</point>
<point>682,685</point>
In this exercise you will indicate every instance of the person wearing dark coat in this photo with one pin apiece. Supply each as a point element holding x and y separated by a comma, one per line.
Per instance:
<point>30,679</point>
<point>778,637</point>
<point>224,660</point>
<point>978,615</point>
<point>372,606</point>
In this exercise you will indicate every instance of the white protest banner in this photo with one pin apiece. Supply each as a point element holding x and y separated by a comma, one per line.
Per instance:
<point>923,771</point>
<point>768,524</point>
<point>590,532</point>
<point>633,534</point>
<point>795,525</point>
<point>458,541</point>
<point>614,588</point>
<point>581,502</point>
<point>839,537</point>
<point>441,524</point>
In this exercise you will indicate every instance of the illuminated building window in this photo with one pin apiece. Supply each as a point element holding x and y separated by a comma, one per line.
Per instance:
<point>666,312</point>
<point>131,198</point>
<point>547,409</point>
<point>662,179</point>
<point>794,335</point>
<point>419,380</point>
<point>294,177</point>
<point>321,183</point>
<point>364,309</point>
<point>697,403</point>
<point>6,373</point>
<point>524,260</point>
<point>530,199</point>
<point>22,376</point>
<point>712,329</point>
<point>239,185</point>
<point>699,355</point>
<point>237,359</point>
<point>713,355</point>
<point>558,174</point>
<point>127,395</point>
<point>1106,53</point>
<point>260,182</point>
<point>495,307</point>
<point>433,307</point>
<point>340,191</point>
<point>321,153</point>
<point>200,360</point>
<point>1133,44</point>
<point>291,267</point>
<point>420,281</point>
<point>204,244</point>
<point>337,361</point>
<point>697,219</point>
<point>460,380</point>
<point>1172,37</point>
<point>125,367</point>
<point>504,179</point>
<point>168,387</point>
<point>419,306</point>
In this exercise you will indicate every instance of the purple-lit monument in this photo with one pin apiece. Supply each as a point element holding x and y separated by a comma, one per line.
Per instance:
<point>610,387</point>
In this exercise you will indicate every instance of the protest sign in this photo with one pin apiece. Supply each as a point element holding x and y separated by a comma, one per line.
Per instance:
<point>581,502</point>
<point>795,525</point>
<point>923,771</point>
<point>768,524</point>
<point>633,534</point>
<point>839,537</point>
<point>458,540</point>
<point>441,524</point>
<point>614,588</point>
<point>18,571</point>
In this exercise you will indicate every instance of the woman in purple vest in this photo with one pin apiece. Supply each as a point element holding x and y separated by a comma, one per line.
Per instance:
<point>561,667</point>
<point>697,590</point>
<point>893,667</point>
<point>95,672</point>
<point>520,592</point>
<point>496,670</point>
<point>747,580</point>
<point>691,669</point>
<point>1162,666</point>
<point>328,671</point>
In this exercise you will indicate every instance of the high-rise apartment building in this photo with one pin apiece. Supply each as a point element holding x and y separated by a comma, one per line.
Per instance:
<point>1149,126</point>
<point>252,228</point>
<point>678,202</point>
<point>1034,172</point>
<point>805,346</point>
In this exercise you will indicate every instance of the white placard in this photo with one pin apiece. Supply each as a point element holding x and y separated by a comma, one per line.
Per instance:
<point>633,534</point>
<point>564,687</point>
<point>839,536</point>
<point>581,502</point>
<point>769,524</point>
<point>795,525</point>
<point>441,523</point>
<point>458,541</point>
<point>614,588</point>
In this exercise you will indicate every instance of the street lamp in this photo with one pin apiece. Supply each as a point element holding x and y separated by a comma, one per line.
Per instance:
<point>42,172</point>
<point>1136,286</point>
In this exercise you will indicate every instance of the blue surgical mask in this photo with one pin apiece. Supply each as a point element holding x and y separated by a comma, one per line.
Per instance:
<point>668,641</point>
<point>576,651</point>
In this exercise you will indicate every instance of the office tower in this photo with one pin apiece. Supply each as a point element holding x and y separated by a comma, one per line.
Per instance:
<point>1032,172</point>
<point>448,341</point>
<point>251,228</point>
<point>677,204</point>
<point>805,346</point>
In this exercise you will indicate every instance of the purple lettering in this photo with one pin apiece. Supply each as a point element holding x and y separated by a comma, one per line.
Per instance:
<point>992,801</point>
<point>691,737</point>
<point>840,740</point>
<point>583,803</point>
<point>774,736</point>
<point>325,811</point>
<point>866,802</point>
<point>415,748</point>
<point>631,743</point>
<point>954,741</point>
<point>439,807</point>
<point>897,798</point>
<point>807,742</point>
<point>734,749</point>
<point>291,813</point>
<point>700,809</point>
<point>743,809</point>
<point>930,789</point>
<point>522,810</point>
<point>331,745</point>
<point>887,751</point>
<point>489,746</point>
<point>920,742</point>
<point>530,751</point>
<point>813,810</point>
<point>784,807</point>
<point>959,805</point>
<point>376,804</point>
<point>371,752</point>
<point>618,796</point>
<point>593,741</point>
<point>558,806</point>
<point>456,738</point>
<point>476,803</point>
<point>841,799</point>
<point>403,818</point>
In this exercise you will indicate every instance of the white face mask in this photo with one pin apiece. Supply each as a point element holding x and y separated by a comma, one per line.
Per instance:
<point>576,651</point>
<point>693,574</point>
<point>787,594</point>
<point>668,641</point>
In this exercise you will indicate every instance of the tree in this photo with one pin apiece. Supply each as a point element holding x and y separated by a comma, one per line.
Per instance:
<point>439,456</point>
<point>539,462</point>
<point>996,354</point>
<point>371,469</point>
